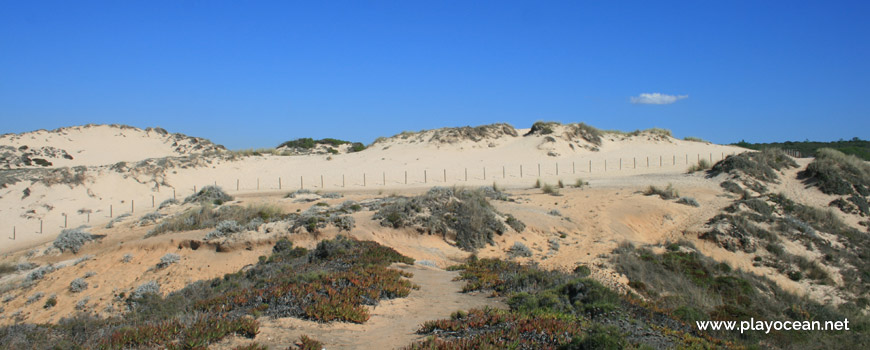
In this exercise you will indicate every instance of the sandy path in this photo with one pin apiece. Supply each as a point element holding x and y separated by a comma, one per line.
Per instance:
<point>393,323</point>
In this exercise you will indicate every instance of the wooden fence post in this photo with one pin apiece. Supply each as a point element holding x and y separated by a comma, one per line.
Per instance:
<point>152,201</point>
<point>342,180</point>
<point>539,169</point>
<point>173,193</point>
<point>384,175</point>
<point>321,181</point>
<point>110,210</point>
<point>237,183</point>
<point>521,171</point>
<point>466,174</point>
<point>406,177</point>
<point>425,176</point>
<point>364,179</point>
<point>279,182</point>
<point>590,166</point>
<point>445,175</point>
<point>40,226</point>
<point>258,184</point>
<point>132,206</point>
<point>557,168</point>
<point>573,168</point>
<point>503,173</point>
<point>64,220</point>
<point>301,183</point>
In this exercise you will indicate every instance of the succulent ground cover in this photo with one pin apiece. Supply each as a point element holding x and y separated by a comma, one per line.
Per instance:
<point>333,282</point>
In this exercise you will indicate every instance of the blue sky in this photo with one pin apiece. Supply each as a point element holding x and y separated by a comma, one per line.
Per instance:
<point>254,74</point>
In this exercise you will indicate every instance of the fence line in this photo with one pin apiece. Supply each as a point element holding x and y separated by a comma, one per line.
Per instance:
<point>545,169</point>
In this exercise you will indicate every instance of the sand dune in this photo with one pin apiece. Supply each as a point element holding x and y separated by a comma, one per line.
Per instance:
<point>443,157</point>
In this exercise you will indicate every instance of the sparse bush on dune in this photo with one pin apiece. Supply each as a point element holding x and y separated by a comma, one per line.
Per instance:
<point>167,203</point>
<point>550,189</point>
<point>580,183</point>
<point>688,201</point>
<point>543,128</point>
<point>694,139</point>
<point>210,194</point>
<point>147,288</point>
<point>462,214</point>
<point>117,219</point>
<point>703,164</point>
<point>519,250</point>
<point>35,297</point>
<point>223,229</point>
<point>150,218</point>
<point>78,285</point>
<point>168,259</point>
<point>732,187</point>
<point>836,173</point>
<point>665,193</point>
<point>761,165</point>
<point>515,224</point>
<point>7,268</point>
<point>206,216</point>
<point>72,240</point>
<point>39,273</point>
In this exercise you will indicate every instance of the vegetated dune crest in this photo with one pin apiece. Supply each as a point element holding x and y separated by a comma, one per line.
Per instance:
<point>91,145</point>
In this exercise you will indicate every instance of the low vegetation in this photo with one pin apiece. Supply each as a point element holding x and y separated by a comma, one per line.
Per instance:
<point>333,282</point>
<point>209,194</point>
<point>688,286</point>
<point>552,310</point>
<point>207,216</point>
<point>762,166</point>
<point>462,215</point>
<point>695,139</point>
<point>702,165</point>
<point>309,143</point>
<point>836,173</point>
<point>855,146</point>
<point>72,240</point>
<point>759,225</point>
<point>668,192</point>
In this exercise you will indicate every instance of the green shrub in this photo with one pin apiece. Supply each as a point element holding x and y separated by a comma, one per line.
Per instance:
<point>836,173</point>
<point>598,337</point>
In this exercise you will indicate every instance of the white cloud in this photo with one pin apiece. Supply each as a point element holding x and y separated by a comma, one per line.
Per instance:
<point>656,99</point>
